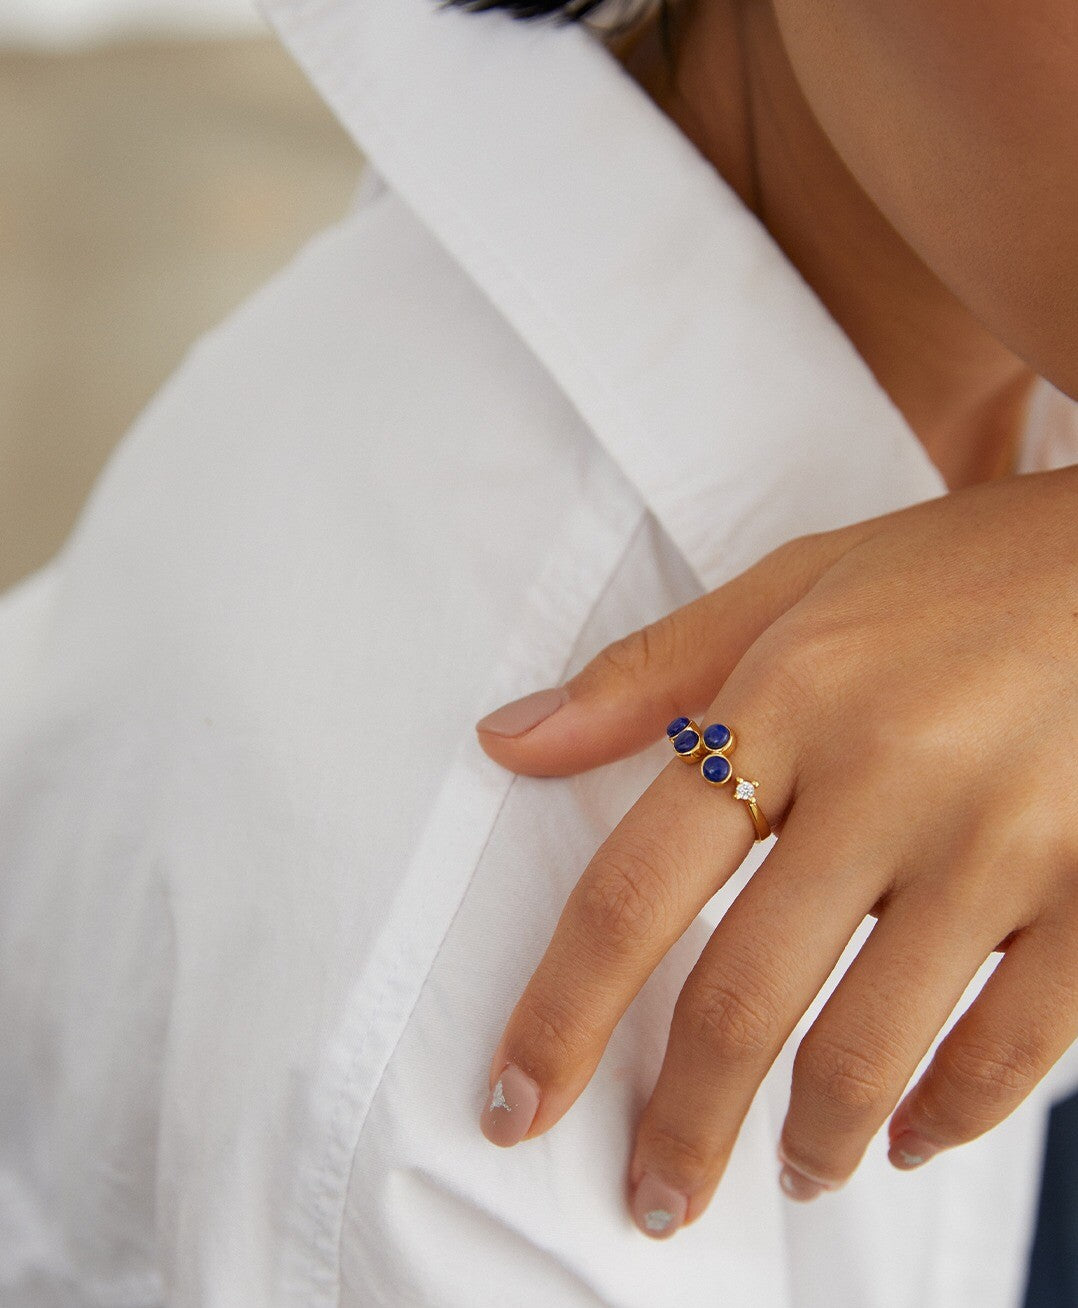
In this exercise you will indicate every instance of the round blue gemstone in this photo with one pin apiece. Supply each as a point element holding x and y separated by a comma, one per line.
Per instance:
<point>715,768</point>
<point>678,725</point>
<point>716,736</point>
<point>686,742</point>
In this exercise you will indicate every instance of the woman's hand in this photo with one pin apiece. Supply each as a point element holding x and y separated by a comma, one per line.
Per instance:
<point>905,690</point>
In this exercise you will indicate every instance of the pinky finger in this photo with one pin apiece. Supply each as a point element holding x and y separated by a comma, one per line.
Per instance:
<point>1020,1024</point>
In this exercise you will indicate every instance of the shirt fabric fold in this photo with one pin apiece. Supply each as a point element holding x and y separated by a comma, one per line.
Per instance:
<point>265,905</point>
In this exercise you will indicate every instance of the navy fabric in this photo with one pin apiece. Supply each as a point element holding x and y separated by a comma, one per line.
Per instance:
<point>1053,1268</point>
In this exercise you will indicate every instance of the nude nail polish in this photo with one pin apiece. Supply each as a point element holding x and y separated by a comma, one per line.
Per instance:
<point>658,1209</point>
<point>511,1108</point>
<point>908,1150</point>
<point>520,715</point>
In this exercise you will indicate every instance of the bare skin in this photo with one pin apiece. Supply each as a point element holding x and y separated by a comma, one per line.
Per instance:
<point>735,93</point>
<point>928,200</point>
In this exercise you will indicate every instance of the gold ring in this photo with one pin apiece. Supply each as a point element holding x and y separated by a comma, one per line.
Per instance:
<point>711,747</point>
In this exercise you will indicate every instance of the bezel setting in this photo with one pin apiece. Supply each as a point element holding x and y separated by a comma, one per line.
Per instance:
<point>721,732</point>
<point>712,764</point>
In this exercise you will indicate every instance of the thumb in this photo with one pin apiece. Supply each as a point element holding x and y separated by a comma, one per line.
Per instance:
<point>623,698</point>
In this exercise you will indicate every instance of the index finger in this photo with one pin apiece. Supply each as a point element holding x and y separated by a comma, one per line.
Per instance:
<point>678,844</point>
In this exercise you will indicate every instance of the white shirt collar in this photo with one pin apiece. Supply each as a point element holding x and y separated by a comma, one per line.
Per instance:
<point>703,362</point>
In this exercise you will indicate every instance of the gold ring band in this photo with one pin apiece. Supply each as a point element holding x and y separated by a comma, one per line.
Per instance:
<point>746,791</point>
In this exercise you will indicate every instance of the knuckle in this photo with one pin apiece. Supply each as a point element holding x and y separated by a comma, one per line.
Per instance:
<point>849,1083</point>
<point>546,1037</point>
<point>688,1162</point>
<point>928,739</point>
<point>623,902</point>
<point>798,659</point>
<point>980,1075</point>
<point>621,657</point>
<point>795,563</point>
<point>726,1017</point>
<point>637,654</point>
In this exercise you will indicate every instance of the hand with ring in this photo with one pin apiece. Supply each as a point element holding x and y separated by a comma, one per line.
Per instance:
<point>904,696</point>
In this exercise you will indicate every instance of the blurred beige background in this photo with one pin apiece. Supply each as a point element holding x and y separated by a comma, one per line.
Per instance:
<point>146,186</point>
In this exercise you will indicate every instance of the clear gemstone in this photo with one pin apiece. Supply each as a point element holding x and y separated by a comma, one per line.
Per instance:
<point>745,790</point>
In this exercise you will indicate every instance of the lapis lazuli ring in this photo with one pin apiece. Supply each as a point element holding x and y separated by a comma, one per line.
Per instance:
<point>712,748</point>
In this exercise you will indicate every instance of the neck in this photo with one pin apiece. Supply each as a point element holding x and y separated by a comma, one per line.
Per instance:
<point>731,90</point>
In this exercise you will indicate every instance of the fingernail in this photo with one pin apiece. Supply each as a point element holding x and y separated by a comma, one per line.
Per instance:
<point>798,1186</point>
<point>658,1209</point>
<point>520,715</point>
<point>511,1108</point>
<point>909,1150</point>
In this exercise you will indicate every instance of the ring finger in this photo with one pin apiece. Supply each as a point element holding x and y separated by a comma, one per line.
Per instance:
<point>763,965</point>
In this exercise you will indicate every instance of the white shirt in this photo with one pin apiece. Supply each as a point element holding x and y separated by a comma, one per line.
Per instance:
<point>265,905</point>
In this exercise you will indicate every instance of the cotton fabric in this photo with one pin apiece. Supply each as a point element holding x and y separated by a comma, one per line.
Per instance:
<point>265,904</point>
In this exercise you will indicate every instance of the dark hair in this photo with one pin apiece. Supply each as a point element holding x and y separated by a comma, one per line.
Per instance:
<point>630,12</point>
<point>562,11</point>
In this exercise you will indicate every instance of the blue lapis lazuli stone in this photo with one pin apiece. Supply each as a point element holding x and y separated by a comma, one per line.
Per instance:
<point>716,736</point>
<point>686,742</point>
<point>715,768</point>
<point>678,725</point>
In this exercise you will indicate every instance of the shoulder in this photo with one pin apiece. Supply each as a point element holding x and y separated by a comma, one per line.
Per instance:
<point>357,509</point>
